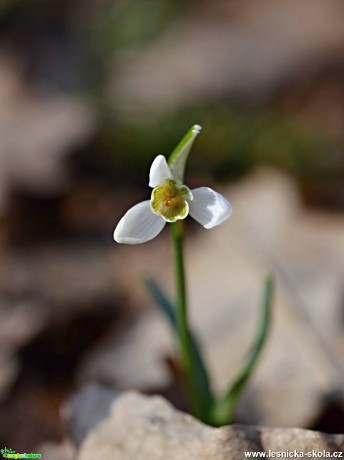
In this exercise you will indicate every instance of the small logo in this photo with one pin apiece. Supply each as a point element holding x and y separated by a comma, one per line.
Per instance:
<point>10,453</point>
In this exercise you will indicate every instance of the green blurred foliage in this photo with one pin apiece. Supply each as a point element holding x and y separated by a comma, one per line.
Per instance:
<point>231,144</point>
<point>116,26</point>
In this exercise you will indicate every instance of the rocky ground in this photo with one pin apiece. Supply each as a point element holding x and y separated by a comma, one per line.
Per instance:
<point>136,426</point>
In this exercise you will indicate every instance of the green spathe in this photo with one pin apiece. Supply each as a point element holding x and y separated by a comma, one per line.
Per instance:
<point>178,157</point>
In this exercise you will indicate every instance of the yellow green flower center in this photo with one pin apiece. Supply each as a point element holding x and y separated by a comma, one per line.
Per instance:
<point>169,200</point>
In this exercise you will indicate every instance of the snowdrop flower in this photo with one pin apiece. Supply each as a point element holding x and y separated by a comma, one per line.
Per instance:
<point>171,200</point>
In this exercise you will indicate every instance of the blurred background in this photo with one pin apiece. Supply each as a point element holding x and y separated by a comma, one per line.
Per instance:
<point>90,92</point>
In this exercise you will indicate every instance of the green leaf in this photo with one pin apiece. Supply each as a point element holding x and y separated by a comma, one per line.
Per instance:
<point>178,157</point>
<point>202,376</point>
<point>160,299</point>
<point>223,409</point>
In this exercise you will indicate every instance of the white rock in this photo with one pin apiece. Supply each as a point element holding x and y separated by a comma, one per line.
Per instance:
<point>149,428</point>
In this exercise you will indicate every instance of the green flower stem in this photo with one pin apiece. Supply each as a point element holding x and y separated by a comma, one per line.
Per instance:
<point>185,352</point>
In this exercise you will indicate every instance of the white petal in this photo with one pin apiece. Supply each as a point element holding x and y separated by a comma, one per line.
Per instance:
<point>138,225</point>
<point>159,171</point>
<point>180,154</point>
<point>209,208</point>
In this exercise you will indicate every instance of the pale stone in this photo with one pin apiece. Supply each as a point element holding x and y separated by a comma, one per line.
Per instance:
<point>149,428</point>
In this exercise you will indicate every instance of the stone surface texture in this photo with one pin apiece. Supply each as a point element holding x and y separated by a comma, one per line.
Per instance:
<point>141,427</point>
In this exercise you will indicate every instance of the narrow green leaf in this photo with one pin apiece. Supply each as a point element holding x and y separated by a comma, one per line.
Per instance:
<point>224,408</point>
<point>202,375</point>
<point>178,157</point>
<point>160,299</point>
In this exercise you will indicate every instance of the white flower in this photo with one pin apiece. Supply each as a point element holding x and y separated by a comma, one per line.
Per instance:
<point>171,200</point>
